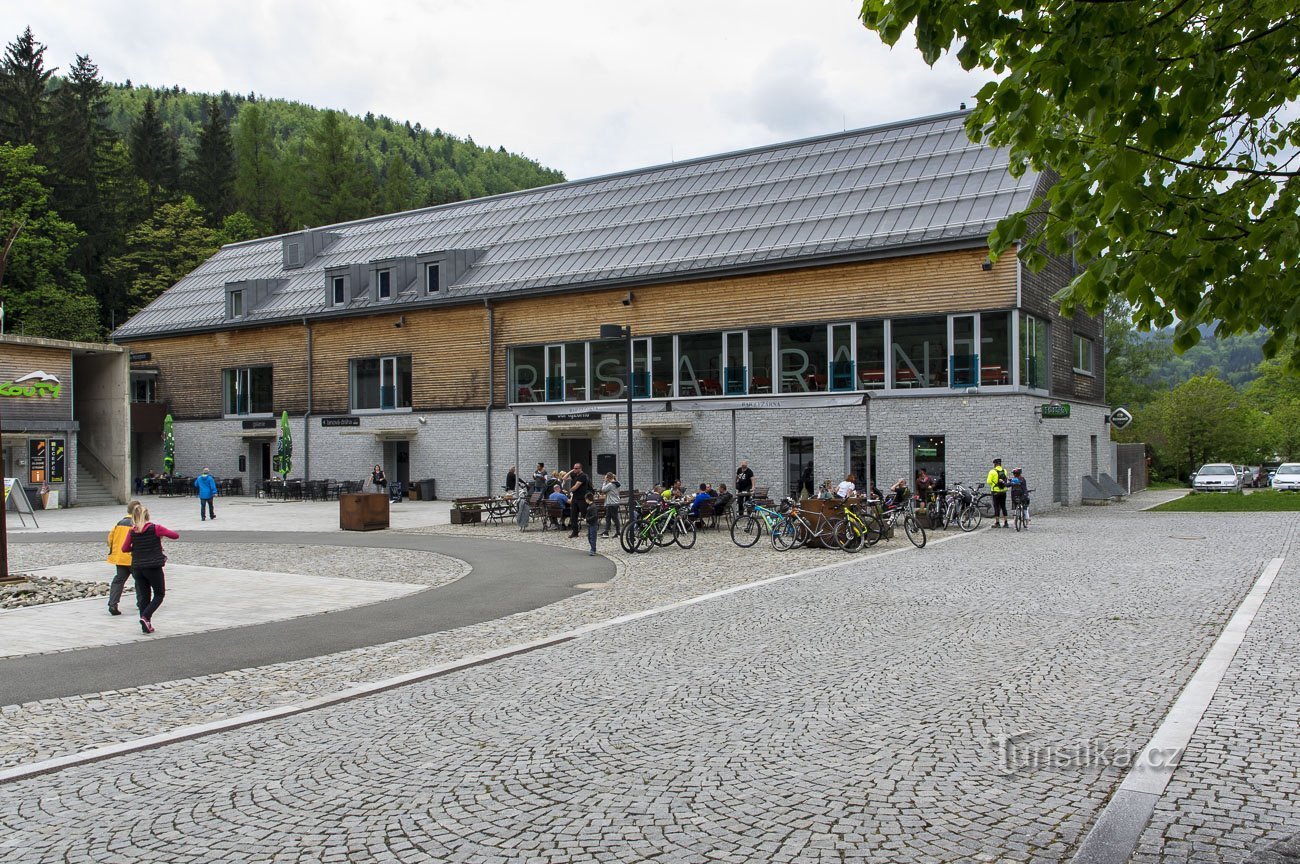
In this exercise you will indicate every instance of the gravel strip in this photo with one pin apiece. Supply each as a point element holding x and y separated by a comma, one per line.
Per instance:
<point>344,562</point>
<point>55,727</point>
<point>44,589</point>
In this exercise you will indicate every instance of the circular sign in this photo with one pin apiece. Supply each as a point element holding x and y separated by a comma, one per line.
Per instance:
<point>1120,417</point>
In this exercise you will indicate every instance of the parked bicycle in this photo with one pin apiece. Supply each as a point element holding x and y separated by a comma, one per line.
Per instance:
<point>894,513</point>
<point>749,527</point>
<point>668,523</point>
<point>794,529</point>
<point>959,508</point>
<point>1020,508</point>
<point>860,527</point>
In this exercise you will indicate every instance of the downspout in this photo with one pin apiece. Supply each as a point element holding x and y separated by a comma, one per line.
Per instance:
<point>306,418</point>
<point>492,365</point>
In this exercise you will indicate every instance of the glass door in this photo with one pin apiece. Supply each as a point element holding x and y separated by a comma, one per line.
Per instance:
<point>735,375</point>
<point>554,373</point>
<point>841,366</point>
<point>964,364</point>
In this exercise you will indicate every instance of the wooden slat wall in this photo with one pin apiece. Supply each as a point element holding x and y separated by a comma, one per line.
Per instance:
<point>449,346</point>
<point>17,361</point>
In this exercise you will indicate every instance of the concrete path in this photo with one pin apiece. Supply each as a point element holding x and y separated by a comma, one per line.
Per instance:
<point>198,599</point>
<point>506,578</point>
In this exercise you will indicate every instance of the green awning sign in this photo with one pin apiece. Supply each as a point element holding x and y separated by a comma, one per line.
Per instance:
<point>1056,409</point>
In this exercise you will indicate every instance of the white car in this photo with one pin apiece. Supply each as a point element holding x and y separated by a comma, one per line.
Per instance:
<point>1217,477</point>
<point>1287,477</point>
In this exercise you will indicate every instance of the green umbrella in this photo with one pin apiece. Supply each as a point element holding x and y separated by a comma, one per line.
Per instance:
<point>169,446</point>
<point>284,453</point>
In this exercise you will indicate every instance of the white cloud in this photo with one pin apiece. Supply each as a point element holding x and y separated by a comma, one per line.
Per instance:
<point>586,86</point>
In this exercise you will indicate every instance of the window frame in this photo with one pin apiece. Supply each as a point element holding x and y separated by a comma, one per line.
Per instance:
<point>392,362</point>
<point>434,286</point>
<point>235,298</point>
<point>383,293</point>
<point>231,377</point>
<point>338,289</point>
<point>1082,345</point>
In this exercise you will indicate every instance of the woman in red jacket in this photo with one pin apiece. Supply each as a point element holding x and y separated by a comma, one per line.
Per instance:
<point>144,542</point>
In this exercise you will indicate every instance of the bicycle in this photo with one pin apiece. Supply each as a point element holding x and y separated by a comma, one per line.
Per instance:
<point>749,527</point>
<point>857,528</point>
<point>793,530</point>
<point>960,507</point>
<point>1020,507</point>
<point>889,519</point>
<point>653,529</point>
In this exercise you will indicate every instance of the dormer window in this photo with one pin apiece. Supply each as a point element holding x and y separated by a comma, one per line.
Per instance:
<point>339,290</point>
<point>237,304</point>
<point>383,284</point>
<point>432,278</point>
<point>293,255</point>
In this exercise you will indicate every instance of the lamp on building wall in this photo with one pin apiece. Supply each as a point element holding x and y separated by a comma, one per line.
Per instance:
<point>628,298</point>
<point>615,331</point>
<point>401,320</point>
<point>986,265</point>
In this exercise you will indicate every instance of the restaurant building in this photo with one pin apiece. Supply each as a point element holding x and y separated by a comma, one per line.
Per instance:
<point>64,419</point>
<point>829,301</point>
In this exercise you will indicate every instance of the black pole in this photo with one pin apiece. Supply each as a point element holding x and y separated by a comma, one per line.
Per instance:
<point>631,485</point>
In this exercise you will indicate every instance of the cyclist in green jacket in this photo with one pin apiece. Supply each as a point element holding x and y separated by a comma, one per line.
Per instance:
<point>998,482</point>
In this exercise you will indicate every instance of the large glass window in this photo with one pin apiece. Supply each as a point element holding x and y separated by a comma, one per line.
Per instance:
<point>871,355</point>
<point>699,364</point>
<point>802,353</point>
<point>995,349</point>
<point>660,364</point>
<point>920,352</point>
<point>608,369</point>
<point>381,383</point>
<point>840,370</point>
<point>1033,352</point>
<point>247,390</point>
<point>527,382</point>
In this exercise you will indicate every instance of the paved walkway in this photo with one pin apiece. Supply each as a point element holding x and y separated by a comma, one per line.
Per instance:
<point>946,704</point>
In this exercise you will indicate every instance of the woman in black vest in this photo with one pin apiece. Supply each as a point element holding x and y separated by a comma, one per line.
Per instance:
<point>144,542</point>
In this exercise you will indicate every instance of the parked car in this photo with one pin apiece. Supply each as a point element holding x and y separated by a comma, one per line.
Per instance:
<point>1217,477</point>
<point>1287,477</point>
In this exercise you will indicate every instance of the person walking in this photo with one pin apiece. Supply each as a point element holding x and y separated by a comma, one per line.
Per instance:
<point>579,486</point>
<point>592,515</point>
<point>510,479</point>
<point>121,560</point>
<point>207,486</point>
<point>379,480</point>
<point>998,481</point>
<point>144,542</point>
<point>613,501</point>
<point>539,478</point>
<point>744,486</point>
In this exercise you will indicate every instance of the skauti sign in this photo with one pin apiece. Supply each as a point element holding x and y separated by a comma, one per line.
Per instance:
<point>33,385</point>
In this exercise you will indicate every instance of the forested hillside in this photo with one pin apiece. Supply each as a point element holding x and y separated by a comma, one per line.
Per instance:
<point>109,193</point>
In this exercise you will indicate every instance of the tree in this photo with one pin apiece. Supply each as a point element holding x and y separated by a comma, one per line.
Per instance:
<point>336,183</point>
<point>162,250</point>
<point>236,228</point>
<point>42,294</point>
<point>257,190</point>
<point>1169,127</point>
<point>24,96</point>
<point>1131,358</point>
<point>211,175</point>
<point>155,155</point>
<point>1205,420</point>
<point>398,190</point>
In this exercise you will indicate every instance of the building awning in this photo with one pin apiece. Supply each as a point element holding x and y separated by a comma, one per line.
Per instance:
<point>762,401</point>
<point>568,428</point>
<point>405,433</point>
<point>252,434</point>
<point>665,427</point>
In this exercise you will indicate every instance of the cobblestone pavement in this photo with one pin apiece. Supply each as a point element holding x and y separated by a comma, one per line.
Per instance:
<point>936,705</point>
<point>1237,789</point>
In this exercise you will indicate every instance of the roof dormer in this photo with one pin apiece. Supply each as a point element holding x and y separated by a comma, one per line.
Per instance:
<point>302,247</point>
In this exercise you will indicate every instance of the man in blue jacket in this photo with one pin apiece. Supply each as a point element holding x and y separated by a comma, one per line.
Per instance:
<point>207,486</point>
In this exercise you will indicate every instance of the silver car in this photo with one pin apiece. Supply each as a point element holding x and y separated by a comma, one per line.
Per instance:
<point>1217,477</point>
<point>1287,477</point>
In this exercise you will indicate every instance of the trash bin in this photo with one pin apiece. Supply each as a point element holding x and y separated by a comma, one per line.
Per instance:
<point>428,489</point>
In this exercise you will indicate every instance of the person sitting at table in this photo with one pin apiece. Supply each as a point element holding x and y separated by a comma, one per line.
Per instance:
<point>848,486</point>
<point>561,498</point>
<point>700,497</point>
<point>899,492</point>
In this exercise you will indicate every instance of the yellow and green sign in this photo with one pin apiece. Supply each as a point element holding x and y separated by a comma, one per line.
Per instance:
<point>36,384</point>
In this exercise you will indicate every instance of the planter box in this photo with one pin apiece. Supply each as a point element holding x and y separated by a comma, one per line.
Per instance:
<point>363,512</point>
<point>466,517</point>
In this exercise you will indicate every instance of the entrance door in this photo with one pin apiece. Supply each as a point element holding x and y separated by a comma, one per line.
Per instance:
<point>1060,468</point>
<point>397,462</point>
<point>669,461</point>
<point>798,464</point>
<point>576,450</point>
<point>928,454</point>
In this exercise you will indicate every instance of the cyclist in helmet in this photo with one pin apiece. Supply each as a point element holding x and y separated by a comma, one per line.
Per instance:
<point>1020,490</point>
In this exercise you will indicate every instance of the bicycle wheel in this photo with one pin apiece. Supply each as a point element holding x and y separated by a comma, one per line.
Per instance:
<point>626,537</point>
<point>685,533</point>
<point>664,533</point>
<point>915,532</point>
<point>1020,519</point>
<point>850,535</point>
<point>785,535</point>
<point>875,530</point>
<point>746,530</point>
<point>970,518</point>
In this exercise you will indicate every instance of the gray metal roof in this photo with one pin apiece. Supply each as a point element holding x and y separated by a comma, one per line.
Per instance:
<point>860,194</point>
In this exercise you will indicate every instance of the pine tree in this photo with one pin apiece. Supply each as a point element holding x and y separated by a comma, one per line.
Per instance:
<point>155,155</point>
<point>336,183</point>
<point>24,97</point>
<point>211,175</point>
<point>162,250</point>
<point>257,189</point>
<point>398,191</point>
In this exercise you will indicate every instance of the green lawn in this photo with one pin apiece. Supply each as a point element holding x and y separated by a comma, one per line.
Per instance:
<point>1264,500</point>
<point>1168,484</point>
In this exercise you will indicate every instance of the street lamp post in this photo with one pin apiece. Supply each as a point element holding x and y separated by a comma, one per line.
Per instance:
<point>615,331</point>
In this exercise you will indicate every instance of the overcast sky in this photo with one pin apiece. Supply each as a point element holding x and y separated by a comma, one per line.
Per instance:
<point>586,86</point>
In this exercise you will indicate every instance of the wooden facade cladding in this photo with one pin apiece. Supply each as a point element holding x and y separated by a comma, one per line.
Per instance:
<point>19,360</point>
<point>449,344</point>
